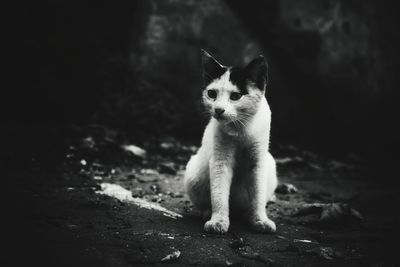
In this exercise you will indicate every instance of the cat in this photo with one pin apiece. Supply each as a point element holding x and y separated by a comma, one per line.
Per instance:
<point>233,169</point>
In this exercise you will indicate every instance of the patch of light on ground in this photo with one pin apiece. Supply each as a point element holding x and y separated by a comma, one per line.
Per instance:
<point>122,194</point>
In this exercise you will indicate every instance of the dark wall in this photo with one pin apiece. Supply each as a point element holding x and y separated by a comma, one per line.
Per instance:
<point>135,65</point>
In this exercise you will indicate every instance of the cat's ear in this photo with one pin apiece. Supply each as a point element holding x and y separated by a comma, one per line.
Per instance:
<point>257,72</point>
<point>212,69</point>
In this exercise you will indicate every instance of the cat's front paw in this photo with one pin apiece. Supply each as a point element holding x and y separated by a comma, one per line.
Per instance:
<point>219,226</point>
<point>264,226</point>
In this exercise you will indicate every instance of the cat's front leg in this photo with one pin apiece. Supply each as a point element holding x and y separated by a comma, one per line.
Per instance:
<point>263,184</point>
<point>221,172</point>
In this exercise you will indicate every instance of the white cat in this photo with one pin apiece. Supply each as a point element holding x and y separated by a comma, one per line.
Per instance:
<point>233,169</point>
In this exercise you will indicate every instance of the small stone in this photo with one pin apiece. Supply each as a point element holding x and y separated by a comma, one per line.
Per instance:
<point>327,253</point>
<point>135,150</point>
<point>147,179</point>
<point>72,226</point>
<point>157,199</point>
<point>167,168</point>
<point>137,192</point>
<point>176,194</point>
<point>331,214</point>
<point>237,244</point>
<point>286,189</point>
<point>155,188</point>
<point>167,145</point>
<point>173,256</point>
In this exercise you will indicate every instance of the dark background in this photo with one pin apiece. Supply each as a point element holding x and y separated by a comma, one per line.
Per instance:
<point>92,76</point>
<point>135,66</point>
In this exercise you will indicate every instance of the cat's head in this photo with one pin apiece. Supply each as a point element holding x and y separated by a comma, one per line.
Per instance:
<point>232,94</point>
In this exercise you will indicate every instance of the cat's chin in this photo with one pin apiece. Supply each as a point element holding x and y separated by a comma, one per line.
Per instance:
<point>221,119</point>
<point>231,128</point>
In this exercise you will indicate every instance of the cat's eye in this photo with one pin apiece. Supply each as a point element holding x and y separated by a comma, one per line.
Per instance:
<point>235,96</point>
<point>212,94</point>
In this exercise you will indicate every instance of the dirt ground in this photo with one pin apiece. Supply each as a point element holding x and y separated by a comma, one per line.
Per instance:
<point>64,212</point>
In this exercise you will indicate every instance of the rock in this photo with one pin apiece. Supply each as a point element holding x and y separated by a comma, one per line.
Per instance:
<point>176,194</point>
<point>147,179</point>
<point>135,150</point>
<point>155,188</point>
<point>137,192</point>
<point>148,171</point>
<point>339,213</point>
<point>88,142</point>
<point>173,256</point>
<point>157,199</point>
<point>307,209</point>
<point>167,145</point>
<point>286,189</point>
<point>302,241</point>
<point>330,215</point>
<point>130,176</point>
<point>237,244</point>
<point>327,253</point>
<point>168,168</point>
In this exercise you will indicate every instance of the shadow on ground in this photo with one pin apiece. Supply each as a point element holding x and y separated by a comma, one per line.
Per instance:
<point>94,199</point>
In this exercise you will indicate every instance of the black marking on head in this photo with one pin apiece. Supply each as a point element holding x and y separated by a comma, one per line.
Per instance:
<point>212,69</point>
<point>255,72</point>
<point>238,77</point>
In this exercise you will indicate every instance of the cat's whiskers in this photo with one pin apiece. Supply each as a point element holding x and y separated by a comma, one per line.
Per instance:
<point>243,123</point>
<point>234,123</point>
<point>246,118</point>
<point>205,112</point>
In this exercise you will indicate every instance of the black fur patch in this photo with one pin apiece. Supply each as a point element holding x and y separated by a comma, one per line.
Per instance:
<point>255,72</point>
<point>239,78</point>
<point>211,68</point>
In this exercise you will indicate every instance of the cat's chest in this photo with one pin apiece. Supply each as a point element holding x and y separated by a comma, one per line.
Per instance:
<point>245,159</point>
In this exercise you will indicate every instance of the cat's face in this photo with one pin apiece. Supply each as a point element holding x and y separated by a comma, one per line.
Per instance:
<point>232,94</point>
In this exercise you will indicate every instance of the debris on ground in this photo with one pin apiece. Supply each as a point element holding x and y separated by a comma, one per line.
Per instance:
<point>167,168</point>
<point>286,188</point>
<point>133,211</point>
<point>244,250</point>
<point>176,194</point>
<point>327,253</point>
<point>124,195</point>
<point>298,162</point>
<point>173,256</point>
<point>135,150</point>
<point>303,241</point>
<point>149,172</point>
<point>148,178</point>
<point>332,214</point>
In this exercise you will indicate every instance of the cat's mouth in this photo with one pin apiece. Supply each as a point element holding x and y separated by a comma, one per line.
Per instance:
<point>221,117</point>
<point>218,116</point>
<point>224,118</point>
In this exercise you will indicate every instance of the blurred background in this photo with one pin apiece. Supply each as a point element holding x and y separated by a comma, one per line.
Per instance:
<point>135,66</point>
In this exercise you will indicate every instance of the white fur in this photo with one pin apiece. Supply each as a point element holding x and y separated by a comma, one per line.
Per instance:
<point>233,170</point>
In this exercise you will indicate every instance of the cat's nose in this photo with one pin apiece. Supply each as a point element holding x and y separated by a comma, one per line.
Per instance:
<point>219,111</point>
